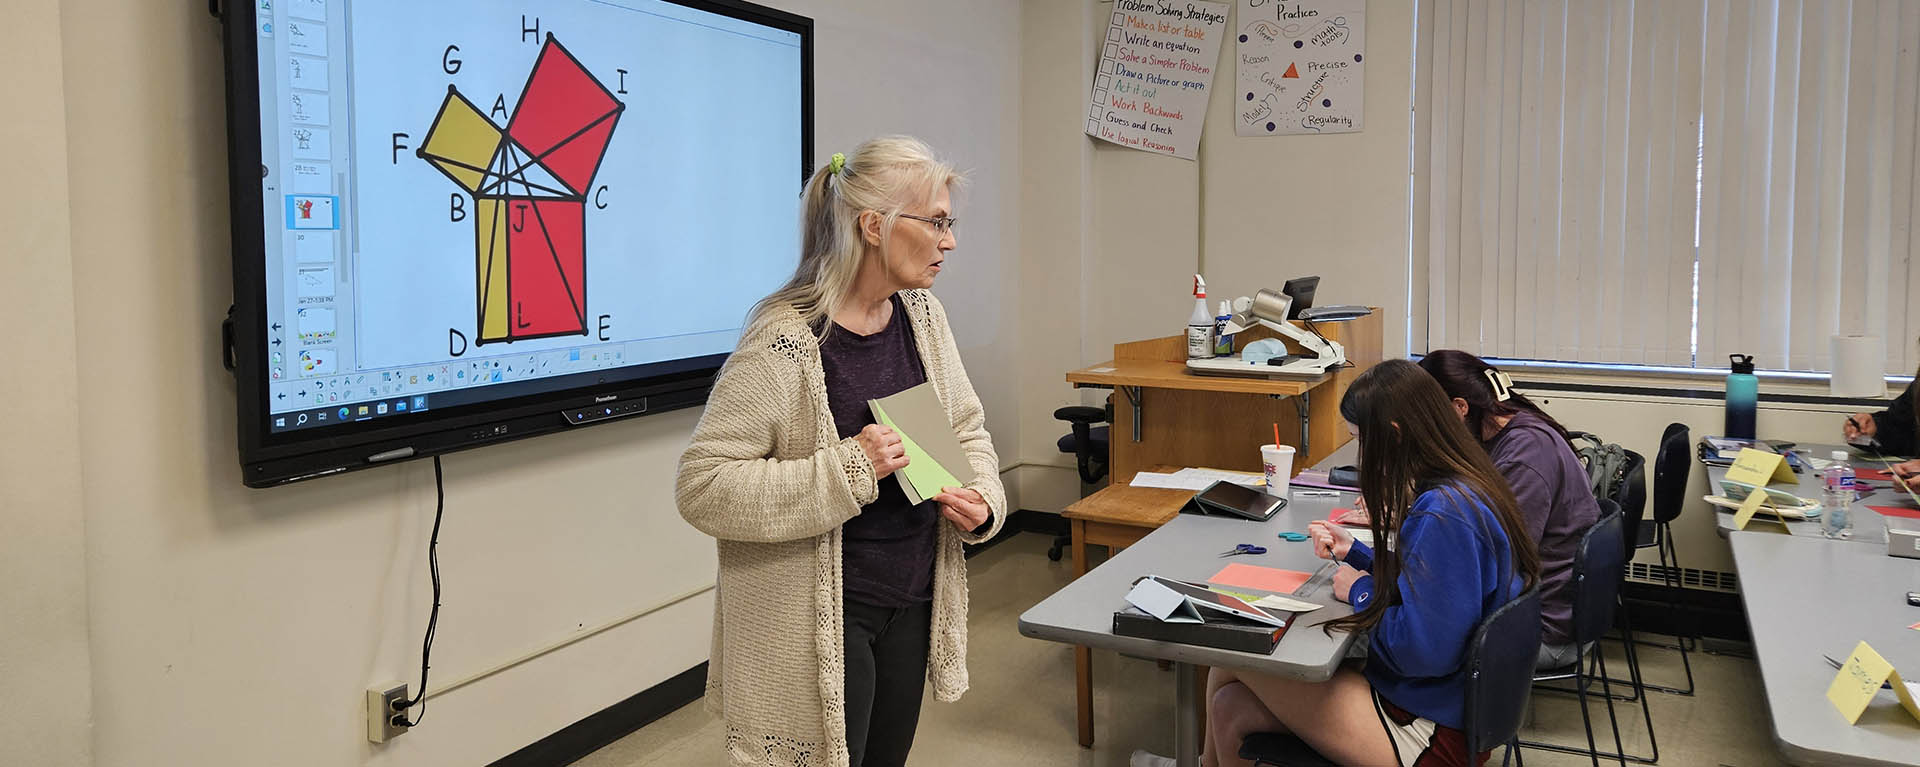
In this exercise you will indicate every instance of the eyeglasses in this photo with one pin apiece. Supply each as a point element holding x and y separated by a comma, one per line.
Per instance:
<point>941,225</point>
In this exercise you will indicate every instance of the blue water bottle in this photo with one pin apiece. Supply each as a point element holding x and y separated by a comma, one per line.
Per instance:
<point>1743,397</point>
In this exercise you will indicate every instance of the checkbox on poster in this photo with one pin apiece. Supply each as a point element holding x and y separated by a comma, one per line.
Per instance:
<point>1103,82</point>
<point>1100,97</point>
<point>1093,112</point>
<point>1106,67</point>
<point>1119,19</point>
<point>1093,127</point>
<point>1113,34</point>
<point>1112,49</point>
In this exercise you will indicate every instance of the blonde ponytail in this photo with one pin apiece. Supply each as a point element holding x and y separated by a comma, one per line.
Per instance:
<point>883,175</point>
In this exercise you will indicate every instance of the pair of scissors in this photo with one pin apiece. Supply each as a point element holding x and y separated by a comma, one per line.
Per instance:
<point>1245,548</point>
<point>1293,536</point>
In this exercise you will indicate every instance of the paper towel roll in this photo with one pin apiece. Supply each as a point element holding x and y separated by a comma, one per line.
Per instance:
<point>1857,365</point>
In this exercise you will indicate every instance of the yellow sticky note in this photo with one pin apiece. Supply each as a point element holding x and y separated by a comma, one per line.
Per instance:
<point>1748,507</point>
<point>1860,679</point>
<point>1760,468</point>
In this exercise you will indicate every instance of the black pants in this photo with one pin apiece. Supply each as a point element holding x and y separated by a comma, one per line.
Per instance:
<point>886,674</point>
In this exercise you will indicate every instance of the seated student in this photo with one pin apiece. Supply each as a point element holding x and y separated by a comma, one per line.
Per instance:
<point>1460,552</point>
<point>1893,431</point>
<point>1535,455</point>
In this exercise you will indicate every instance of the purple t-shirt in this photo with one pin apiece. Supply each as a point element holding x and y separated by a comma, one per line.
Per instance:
<point>886,557</point>
<point>1558,506</point>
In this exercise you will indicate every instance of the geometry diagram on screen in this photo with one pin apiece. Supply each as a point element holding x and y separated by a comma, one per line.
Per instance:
<point>529,183</point>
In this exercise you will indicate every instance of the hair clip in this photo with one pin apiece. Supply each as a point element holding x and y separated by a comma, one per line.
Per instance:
<point>1502,385</point>
<point>838,164</point>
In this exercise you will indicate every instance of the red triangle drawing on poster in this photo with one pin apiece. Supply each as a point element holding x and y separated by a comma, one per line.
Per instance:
<point>1293,71</point>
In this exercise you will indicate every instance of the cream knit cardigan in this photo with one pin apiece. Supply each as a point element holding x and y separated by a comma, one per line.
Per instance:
<point>768,476</point>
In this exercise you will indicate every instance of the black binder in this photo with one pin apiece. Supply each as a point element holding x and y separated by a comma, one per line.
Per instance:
<point>1225,633</point>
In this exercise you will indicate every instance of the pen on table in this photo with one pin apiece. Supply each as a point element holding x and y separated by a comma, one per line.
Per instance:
<point>1317,493</point>
<point>1836,664</point>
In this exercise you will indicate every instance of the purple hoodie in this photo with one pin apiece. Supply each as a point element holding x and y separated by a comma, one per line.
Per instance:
<point>1558,507</point>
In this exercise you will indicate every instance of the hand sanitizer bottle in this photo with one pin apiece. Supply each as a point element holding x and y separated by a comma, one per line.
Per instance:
<point>1222,340</point>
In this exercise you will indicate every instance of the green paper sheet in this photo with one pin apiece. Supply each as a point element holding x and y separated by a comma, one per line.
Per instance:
<point>926,477</point>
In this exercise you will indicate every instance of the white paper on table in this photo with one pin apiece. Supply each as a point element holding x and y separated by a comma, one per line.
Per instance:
<point>1194,479</point>
<point>1285,604</point>
<point>1210,476</point>
<point>1168,481</point>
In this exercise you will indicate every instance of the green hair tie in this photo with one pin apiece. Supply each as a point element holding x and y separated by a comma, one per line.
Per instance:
<point>839,163</point>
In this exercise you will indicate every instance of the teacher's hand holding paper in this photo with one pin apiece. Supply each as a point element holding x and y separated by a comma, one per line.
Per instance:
<point>964,507</point>
<point>883,448</point>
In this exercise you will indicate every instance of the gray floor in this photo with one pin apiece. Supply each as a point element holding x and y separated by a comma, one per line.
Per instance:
<point>1020,709</point>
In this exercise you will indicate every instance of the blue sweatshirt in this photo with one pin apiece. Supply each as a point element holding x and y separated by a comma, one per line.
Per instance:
<point>1453,558</point>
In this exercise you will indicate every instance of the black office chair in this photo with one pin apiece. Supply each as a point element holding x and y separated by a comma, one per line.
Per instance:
<point>1597,570</point>
<point>1499,672</point>
<point>1088,444</point>
<point>1670,469</point>
<point>1631,496</point>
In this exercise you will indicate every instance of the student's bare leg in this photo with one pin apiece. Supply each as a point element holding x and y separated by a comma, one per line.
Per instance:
<point>1216,678</point>
<point>1336,717</point>
<point>1238,713</point>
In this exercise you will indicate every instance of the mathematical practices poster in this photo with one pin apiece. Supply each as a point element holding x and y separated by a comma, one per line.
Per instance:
<point>1301,67</point>
<point>1156,68</point>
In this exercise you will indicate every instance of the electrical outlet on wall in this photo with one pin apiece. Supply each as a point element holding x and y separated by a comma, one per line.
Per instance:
<point>383,703</point>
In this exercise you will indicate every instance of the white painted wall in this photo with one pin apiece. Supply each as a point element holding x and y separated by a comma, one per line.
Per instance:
<point>1056,201</point>
<point>236,626</point>
<point>45,688</point>
<point>1120,231</point>
<point>1333,205</point>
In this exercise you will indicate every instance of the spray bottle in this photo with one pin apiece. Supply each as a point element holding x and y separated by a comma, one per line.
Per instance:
<point>1200,324</point>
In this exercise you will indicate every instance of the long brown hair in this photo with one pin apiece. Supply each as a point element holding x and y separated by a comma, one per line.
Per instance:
<point>1470,378</point>
<point>1411,441</point>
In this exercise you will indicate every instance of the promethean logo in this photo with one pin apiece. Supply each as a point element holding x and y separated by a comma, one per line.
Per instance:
<point>608,398</point>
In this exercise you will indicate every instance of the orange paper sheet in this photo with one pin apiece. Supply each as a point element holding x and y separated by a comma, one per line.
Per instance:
<point>1339,517</point>
<point>1267,579</point>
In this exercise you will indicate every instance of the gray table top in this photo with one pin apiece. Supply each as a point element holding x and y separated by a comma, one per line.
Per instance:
<point>1188,548</point>
<point>1344,455</point>
<point>1789,585</point>
<point>1868,525</point>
